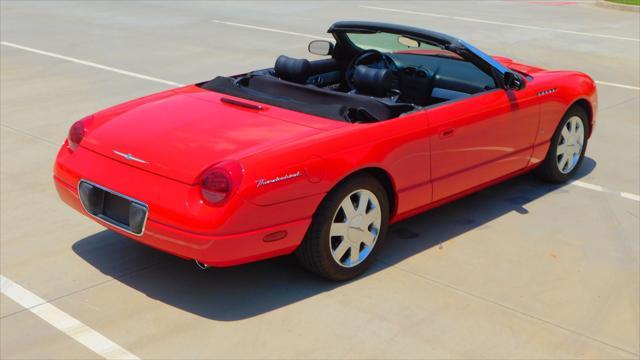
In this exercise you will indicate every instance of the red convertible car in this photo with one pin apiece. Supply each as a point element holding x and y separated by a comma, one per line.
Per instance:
<point>318,157</point>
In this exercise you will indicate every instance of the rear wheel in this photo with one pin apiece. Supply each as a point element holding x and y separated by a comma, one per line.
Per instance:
<point>567,148</point>
<point>347,230</point>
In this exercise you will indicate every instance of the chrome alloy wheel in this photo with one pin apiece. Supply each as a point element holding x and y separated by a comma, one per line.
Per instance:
<point>355,227</point>
<point>570,144</point>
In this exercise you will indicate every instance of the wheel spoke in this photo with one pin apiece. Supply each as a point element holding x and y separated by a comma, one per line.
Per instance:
<point>566,135</point>
<point>368,238</point>
<point>339,229</point>
<point>347,207</point>
<point>561,149</point>
<point>363,202</point>
<point>563,161</point>
<point>570,151</point>
<point>570,162</point>
<point>580,135</point>
<point>341,249</point>
<point>355,253</point>
<point>372,217</point>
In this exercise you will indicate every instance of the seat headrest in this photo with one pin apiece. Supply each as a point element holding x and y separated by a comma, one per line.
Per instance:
<point>291,69</point>
<point>369,81</point>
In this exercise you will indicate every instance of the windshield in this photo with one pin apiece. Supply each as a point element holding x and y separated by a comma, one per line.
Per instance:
<point>388,42</point>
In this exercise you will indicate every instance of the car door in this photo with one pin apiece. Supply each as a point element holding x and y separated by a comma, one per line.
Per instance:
<point>481,138</point>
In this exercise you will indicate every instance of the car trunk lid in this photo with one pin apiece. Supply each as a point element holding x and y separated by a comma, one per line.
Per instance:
<point>178,134</point>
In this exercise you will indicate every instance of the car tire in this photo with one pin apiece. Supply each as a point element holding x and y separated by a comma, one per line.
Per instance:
<point>571,135</point>
<point>343,240</point>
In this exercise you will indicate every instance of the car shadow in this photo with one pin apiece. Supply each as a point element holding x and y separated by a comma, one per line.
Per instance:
<point>240,292</point>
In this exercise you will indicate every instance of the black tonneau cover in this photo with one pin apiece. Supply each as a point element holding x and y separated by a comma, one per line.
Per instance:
<point>306,99</point>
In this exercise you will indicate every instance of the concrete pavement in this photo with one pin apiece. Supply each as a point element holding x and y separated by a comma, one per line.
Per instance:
<point>523,269</point>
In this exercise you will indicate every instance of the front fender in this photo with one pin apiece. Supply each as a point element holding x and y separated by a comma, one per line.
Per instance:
<point>571,87</point>
<point>565,89</point>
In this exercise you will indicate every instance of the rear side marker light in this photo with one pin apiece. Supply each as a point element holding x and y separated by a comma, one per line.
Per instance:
<point>275,236</point>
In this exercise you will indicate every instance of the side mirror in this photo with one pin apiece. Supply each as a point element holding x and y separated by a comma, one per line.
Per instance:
<point>513,81</point>
<point>320,47</point>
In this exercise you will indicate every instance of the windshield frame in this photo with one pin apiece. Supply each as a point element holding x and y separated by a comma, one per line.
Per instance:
<point>466,51</point>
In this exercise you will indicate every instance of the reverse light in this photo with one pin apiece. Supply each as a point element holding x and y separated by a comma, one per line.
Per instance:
<point>219,182</point>
<point>78,131</point>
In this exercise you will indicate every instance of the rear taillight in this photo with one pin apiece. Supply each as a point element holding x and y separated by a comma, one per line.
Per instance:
<point>77,132</point>
<point>216,185</point>
<point>219,182</point>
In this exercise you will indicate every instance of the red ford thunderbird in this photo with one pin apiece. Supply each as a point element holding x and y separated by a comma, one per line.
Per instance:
<point>319,157</point>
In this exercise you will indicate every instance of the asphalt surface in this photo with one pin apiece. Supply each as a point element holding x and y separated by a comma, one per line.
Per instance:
<point>523,269</point>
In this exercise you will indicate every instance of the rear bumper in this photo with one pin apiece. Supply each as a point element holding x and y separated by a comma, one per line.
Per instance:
<point>222,250</point>
<point>178,224</point>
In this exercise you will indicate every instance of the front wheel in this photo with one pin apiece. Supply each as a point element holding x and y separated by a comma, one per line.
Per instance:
<point>566,151</point>
<point>347,230</point>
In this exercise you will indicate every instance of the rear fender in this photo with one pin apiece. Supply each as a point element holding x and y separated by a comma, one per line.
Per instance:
<point>315,165</point>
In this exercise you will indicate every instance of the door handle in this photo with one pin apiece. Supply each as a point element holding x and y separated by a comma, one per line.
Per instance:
<point>447,133</point>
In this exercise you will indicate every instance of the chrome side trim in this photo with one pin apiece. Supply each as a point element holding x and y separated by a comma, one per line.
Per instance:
<point>545,92</point>
<point>111,221</point>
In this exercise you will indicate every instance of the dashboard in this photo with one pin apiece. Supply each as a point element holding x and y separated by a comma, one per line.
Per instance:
<point>443,78</point>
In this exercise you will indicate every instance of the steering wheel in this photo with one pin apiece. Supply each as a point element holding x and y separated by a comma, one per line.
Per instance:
<point>370,57</point>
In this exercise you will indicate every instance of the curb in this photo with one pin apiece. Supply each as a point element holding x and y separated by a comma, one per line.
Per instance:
<point>616,6</point>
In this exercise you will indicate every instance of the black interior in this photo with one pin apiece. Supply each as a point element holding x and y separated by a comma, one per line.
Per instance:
<point>291,69</point>
<point>369,86</point>
<point>444,73</point>
<point>374,82</point>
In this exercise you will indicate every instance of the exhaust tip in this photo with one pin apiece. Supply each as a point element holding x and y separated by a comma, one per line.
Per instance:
<point>202,266</point>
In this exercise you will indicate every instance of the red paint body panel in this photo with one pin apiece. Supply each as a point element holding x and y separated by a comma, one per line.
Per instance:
<point>481,138</point>
<point>179,221</point>
<point>430,157</point>
<point>206,125</point>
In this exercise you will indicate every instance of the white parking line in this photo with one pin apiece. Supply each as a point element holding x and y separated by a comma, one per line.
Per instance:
<point>617,85</point>
<point>92,64</point>
<point>531,27</point>
<point>625,195</point>
<point>629,196</point>
<point>80,332</point>
<point>599,188</point>
<point>272,30</point>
